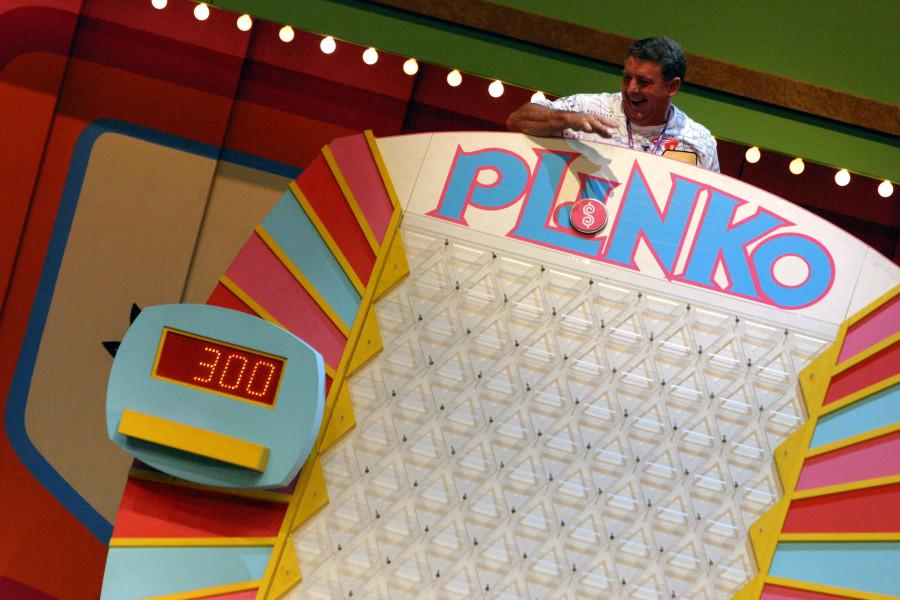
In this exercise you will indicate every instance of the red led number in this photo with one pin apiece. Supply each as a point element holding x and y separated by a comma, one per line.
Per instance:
<point>219,367</point>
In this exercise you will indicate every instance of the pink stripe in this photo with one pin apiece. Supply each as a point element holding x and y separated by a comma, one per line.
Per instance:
<point>877,326</point>
<point>259,273</point>
<point>361,173</point>
<point>878,457</point>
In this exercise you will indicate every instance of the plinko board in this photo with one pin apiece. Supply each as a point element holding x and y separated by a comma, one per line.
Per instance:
<point>519,409</point>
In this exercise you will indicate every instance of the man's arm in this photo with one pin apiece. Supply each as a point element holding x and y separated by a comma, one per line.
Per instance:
<point>535,119</point>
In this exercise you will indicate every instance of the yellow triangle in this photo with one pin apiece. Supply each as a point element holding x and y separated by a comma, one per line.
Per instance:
<point>396,267</point>
<point>315,495</point>
<point>814,379</point>
<point>789,457</point>
<point>764,535</point>
<point>342,419</point>
<point>287,573</point>
<point>752,590</point>
<point>369,343</point>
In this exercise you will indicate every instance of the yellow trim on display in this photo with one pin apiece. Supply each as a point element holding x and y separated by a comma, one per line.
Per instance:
<point>190,542</point>
<point>195,440</point>
<point>219,590</point>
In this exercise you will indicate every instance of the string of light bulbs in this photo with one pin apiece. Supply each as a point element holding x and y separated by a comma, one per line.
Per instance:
<point>328,45</point>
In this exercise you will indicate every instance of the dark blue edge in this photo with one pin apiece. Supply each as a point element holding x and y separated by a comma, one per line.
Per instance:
<point>14,419</point>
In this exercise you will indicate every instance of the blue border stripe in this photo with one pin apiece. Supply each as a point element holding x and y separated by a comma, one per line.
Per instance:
<point>146,572</point>
<point>878,410</point>
<point>864,566</point>
<point>14,419</point>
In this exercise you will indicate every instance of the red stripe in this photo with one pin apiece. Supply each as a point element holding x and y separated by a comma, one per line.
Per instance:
<point>262,276</point>
<point>872,370</point>
<point>151,509</point>
<point>326,198</point>
<point>777,592</point>
<point>872,510</point>
<point>222,296</point>
<point>361,173</point>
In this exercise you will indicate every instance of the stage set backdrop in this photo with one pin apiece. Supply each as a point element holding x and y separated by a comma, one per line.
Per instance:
<point>698,401</point>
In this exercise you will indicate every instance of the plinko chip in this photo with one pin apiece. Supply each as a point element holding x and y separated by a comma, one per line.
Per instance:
<point>588,216</point>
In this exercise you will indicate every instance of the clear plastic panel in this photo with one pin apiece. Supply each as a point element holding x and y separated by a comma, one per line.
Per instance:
<point>530,432</point>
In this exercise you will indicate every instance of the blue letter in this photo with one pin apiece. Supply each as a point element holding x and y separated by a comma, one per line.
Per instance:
<point>462,187</point>
<point>817,259</point>
<point>534,222</point>
<point>639,217</point>
<point>719,238</point>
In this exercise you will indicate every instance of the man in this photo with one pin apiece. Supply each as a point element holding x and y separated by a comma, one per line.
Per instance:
<point>641,116</point>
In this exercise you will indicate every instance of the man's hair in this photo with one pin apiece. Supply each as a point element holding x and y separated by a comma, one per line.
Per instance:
<point>665,52</point>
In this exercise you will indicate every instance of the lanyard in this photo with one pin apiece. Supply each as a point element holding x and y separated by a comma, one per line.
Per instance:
<point>659,140</point>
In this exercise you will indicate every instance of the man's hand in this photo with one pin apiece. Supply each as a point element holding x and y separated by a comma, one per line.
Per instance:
<point>535,119</point>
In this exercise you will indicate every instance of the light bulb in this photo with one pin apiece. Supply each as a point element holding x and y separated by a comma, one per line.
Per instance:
<point>797,165</point>
<point>885,189</point>
<point>370,56</point>
<point>411,66</point>
<point>752,154</point>
<point>201,12</point>
<point>327,45</point>
<point>244,22</point>
<point>538,96</point>
<point>842,177</point>
<point>454,78</point>
<point>286,34</point>
<point>496,88</point>
<point>159,4</point>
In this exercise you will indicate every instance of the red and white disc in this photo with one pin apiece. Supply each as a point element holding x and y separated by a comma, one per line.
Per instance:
<point>588,216</point>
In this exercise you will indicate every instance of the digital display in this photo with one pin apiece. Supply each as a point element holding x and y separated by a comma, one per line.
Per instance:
<point>218,367</point>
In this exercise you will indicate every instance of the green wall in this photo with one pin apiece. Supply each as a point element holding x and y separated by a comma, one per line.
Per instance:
<point>850,46</point>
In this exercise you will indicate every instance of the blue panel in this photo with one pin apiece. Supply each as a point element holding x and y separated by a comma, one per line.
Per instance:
<point>864,566</point>
<point>288,428</point>
<point>147,572</point>
<point>878,410</point>
<point>291,228</point>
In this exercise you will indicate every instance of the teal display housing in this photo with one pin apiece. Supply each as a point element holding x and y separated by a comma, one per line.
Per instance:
<point>285,422</point>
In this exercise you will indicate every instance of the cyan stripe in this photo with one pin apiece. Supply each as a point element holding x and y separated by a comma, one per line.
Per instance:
<point>146,572</point>
<point>864,566</point>
<point>878,410</point>
<point>297,236</point>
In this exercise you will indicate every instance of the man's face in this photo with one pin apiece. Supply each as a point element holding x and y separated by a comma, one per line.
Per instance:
<point>645,95</point>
